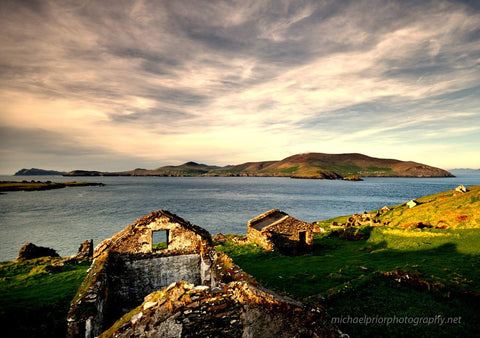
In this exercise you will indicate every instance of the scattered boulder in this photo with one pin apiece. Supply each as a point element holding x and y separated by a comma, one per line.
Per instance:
<point>461,189</point>
<point>31,251</point>
<point>384,210</point>
<point>352,178</point>
<point>239,239</point>
<point>357,220</point>
<point>416,225</point>
<point>421,225</point>
<point>221,238</point>
<point>85,252</point>
<point>411,204</point>
<point>318,229</point>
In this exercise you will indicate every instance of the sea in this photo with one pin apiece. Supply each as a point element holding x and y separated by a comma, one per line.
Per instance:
<point>61,219</point>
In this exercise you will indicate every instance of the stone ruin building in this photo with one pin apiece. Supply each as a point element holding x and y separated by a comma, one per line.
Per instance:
<point>161,276</point>
<point>275,230</point>
<point>365,218</point>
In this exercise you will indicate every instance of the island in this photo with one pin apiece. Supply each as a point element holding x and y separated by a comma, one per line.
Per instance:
<point>38,172</point>
<point>309,165</point>
<point>37,185</point>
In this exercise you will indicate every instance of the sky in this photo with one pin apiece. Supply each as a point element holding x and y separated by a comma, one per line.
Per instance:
<point>116,85</point>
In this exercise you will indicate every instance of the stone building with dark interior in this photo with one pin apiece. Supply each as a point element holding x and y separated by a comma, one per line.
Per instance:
<point>152,253</point>
<point>275,230</point>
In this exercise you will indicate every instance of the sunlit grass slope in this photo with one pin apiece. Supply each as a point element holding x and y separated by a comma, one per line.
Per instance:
<point>449,208</point>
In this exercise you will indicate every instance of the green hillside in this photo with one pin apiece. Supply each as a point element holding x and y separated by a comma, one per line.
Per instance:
<point>186,169</point>
<point>333,166</point>
<point>445,210</point>
<point>309,165</point>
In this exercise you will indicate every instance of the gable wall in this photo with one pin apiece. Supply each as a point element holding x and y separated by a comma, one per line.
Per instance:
<point>125,270</point>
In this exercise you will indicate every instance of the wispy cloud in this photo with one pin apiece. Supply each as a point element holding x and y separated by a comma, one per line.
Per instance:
<point>227,82</point>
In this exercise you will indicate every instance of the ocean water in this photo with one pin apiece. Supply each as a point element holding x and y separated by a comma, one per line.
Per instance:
<point>63,218</point>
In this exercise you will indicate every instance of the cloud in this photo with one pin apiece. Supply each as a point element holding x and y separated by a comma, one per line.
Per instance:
<point>167,80</point>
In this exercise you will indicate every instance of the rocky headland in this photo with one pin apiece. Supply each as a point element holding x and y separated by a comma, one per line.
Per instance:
<point>38,172</point>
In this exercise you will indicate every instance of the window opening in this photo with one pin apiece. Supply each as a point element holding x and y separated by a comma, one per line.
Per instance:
<point>160,240</point>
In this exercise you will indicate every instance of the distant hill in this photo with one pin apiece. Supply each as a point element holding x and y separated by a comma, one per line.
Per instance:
<point>186,169</point>
<point>320,165</point>
<point>465,171</point>
<point>36,171</point>
<point>310,165</point>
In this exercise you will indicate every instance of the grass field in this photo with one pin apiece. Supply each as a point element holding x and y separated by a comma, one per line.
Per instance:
<point>347,277</point>
<point>35,297</point>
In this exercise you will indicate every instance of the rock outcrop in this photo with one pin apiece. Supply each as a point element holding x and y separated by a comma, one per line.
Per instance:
<point>461,189</point>
<point>352,178</point>
<point>238,309</point>
<point>31,251</point>
<point>85,251</point>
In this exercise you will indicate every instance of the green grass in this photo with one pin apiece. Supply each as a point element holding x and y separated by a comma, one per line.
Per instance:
<point>339,270</point>
<point>35,297</point>
<point>289,170</point>
<point>445,209</point>
<point>379,297</point>
<point>159,246</point>
<point>442,209</point>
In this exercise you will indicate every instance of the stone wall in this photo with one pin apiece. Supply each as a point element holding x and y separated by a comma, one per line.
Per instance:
<point>86,315</point>
<point>184,237</point>
<point>262,238</point>
<point>130,279</point>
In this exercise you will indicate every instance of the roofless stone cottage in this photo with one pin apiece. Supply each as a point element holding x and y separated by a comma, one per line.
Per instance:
<point>127,267</point>
<point>276,230</point>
